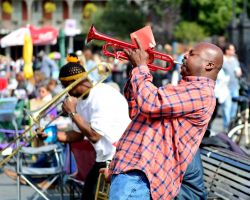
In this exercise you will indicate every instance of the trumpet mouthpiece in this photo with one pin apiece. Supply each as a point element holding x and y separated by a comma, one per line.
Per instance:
<point>178,63</point>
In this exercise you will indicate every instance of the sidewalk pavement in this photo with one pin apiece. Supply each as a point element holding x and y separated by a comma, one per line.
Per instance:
<point>8,190</point>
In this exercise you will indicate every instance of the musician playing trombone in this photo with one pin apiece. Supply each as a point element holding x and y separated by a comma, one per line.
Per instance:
<point>167,126</point>
<point>101,116</point>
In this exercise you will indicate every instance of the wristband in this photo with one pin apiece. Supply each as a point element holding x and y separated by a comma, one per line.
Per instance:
<point>72,114</point>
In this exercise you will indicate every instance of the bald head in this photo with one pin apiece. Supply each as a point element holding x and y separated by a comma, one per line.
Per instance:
<point>212,53</point>
<point>205,59</point>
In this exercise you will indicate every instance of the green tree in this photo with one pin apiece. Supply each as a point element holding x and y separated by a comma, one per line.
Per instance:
<point>163,14</point>
<point>120,18</point>
<point>189,32</point>
<point>214,16</point>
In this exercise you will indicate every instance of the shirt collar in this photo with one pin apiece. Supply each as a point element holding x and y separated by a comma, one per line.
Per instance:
<point>201,79</point>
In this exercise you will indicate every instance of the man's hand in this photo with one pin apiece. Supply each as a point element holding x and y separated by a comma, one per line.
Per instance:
<point>106,173</point>
<point>69,136</point>
<point>62,137</point>
<point>69,105</point>
<point>40,134</point>
<point>137,57</point>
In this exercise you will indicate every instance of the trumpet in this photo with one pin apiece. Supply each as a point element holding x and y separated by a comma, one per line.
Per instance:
<point>103,70</point>
<point>114,43</point>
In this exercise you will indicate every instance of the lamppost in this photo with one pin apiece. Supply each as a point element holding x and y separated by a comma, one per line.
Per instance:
<point>233,27</point>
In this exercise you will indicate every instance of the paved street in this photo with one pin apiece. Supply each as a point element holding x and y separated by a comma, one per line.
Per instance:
<point>8,191</point>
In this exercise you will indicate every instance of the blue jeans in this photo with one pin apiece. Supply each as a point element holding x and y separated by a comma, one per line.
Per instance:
<point>132,185</point>
<point>192,186</point>
<point>226,112</point>
<point>234,94</point>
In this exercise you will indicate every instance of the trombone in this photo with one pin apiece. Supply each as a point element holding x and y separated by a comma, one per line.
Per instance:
<point>102,69</point>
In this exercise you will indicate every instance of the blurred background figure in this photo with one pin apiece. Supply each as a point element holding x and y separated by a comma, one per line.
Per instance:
<point>44,92</point>
<point>223,99</point>
<point>179,57</point>
<point>48,66</point>
<point>54,87</point>
<point>90,63</point>
<point>81,57</point>
<point>24,89</point>
<point>231,68</point>
<point>171,73</point>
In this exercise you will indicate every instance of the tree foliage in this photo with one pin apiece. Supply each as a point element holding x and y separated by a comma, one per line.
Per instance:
<point>163,15</point>
<point>189,32</point>
<point>120,19</point>
<point>214,16</point>
<point>193,19</point>
<point>158,6</point>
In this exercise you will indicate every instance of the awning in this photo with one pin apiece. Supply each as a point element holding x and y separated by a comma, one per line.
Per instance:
<point>40,36</point>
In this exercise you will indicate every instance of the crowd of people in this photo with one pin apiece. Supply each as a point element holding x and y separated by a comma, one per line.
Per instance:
<point>151,134</point>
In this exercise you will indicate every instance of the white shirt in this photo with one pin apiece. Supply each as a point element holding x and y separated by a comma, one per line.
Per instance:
<point>221,87</point>
<point>106,110</point>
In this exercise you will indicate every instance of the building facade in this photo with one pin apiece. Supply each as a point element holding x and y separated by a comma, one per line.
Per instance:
<point>17,13</point>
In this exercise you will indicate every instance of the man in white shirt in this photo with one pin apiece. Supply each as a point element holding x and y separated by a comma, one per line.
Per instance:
<point>101,117</point>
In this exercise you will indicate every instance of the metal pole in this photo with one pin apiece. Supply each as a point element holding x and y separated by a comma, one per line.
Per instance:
<point>233,4</point>
<point>17,160</point>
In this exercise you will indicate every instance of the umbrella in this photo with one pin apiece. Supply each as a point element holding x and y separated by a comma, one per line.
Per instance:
<point>40,36</point>
<point>14,38</point>
<point>61,39</point>
<point>27,56</point>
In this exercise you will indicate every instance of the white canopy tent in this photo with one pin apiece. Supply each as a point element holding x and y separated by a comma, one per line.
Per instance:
<point>15,38</point>
<point>40,36</point>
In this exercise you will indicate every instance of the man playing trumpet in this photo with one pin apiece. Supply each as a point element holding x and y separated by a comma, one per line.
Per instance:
<point>167,126</point>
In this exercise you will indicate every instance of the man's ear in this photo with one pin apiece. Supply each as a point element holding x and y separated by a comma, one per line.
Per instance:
<point>209,66</point>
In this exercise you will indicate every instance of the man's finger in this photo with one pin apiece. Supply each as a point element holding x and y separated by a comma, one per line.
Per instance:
<point>102,170</point>
<point>106,174</point>
<point>69,99</point>
<point>127,51</point>
<point>138,43</point>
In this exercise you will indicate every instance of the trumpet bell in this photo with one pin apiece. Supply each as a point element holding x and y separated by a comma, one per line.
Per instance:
<point>91,34</point>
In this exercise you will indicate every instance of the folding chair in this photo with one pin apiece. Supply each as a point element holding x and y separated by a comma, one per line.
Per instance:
<point>52,171</point>
<point>7,114</point>
<point>7,109</point>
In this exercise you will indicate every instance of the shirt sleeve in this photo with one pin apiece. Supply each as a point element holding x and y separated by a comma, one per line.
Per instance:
<point>168,101</point>
<point>128,93</point>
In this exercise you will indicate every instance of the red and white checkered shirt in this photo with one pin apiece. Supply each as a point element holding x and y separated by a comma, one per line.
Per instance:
<point>167,126</point>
